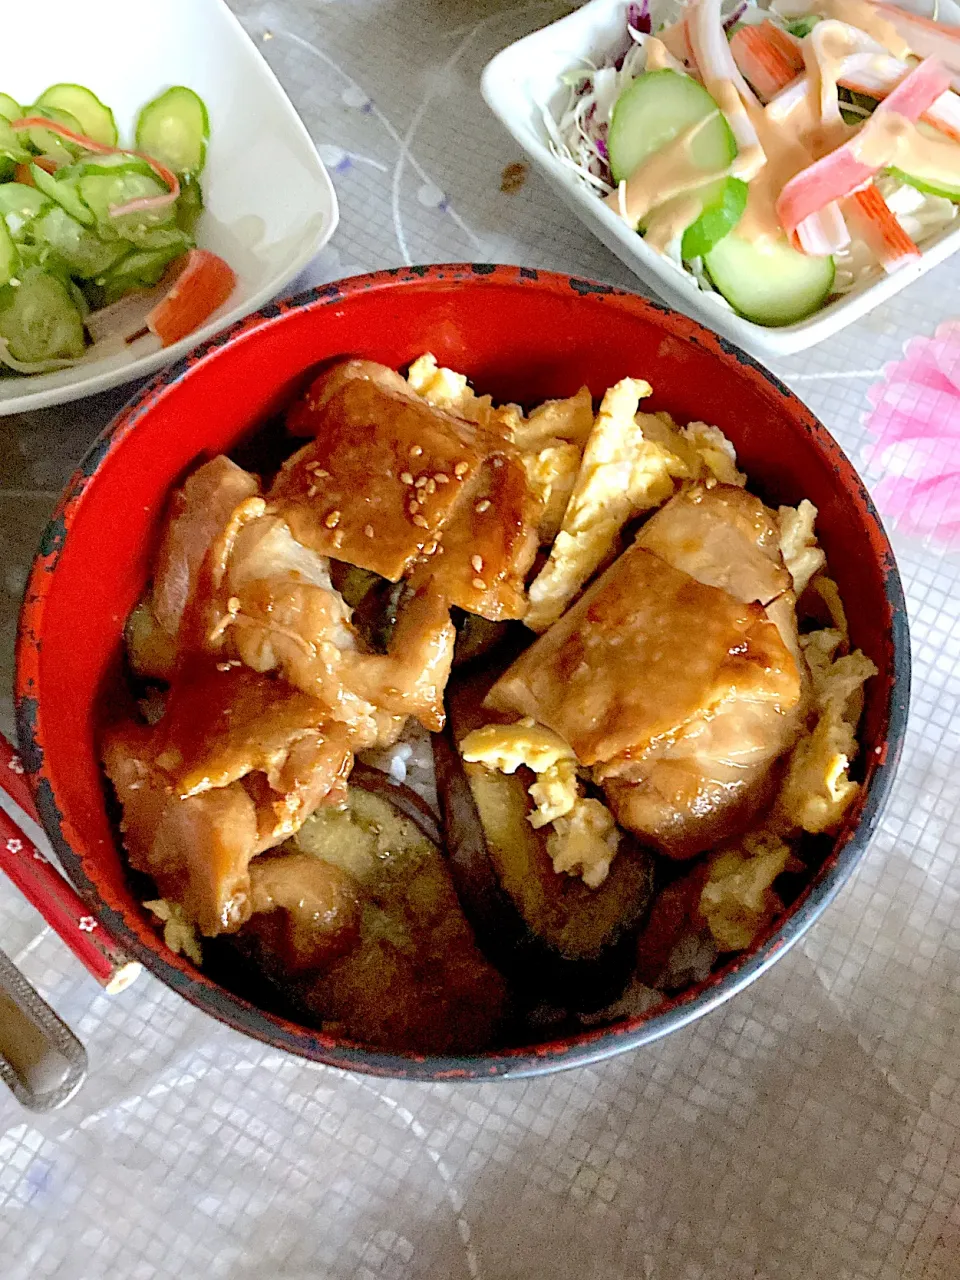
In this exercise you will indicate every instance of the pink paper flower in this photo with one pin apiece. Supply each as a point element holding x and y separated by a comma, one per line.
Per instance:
<point>915,462</point>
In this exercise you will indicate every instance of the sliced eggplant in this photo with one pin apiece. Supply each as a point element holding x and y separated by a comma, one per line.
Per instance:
<point>559,941</point>
<point>375,602</point>
<point>399,967</point>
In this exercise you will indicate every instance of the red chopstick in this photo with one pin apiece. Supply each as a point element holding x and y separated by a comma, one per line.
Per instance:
<point>53,896</point>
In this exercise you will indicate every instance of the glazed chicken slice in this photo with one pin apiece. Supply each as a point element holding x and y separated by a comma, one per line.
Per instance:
<point>196,850</point>
<point>646,652</point>
<point>235,766</point>
<point>286,616</point>
<point>396,486</point>
<point>710,781</point>
<point>678,694</point>
<point>196,541</point>
<point>724,537</point>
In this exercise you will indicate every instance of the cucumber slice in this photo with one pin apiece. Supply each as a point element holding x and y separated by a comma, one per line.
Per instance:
<point>46,143</point>
<point>931,180</point>
<point>62,189</point>
<point>103,192</point>
<point>10,108</point>
<point>935,188</point>
<point>190,205</point>
<point>26,202</point>
<point>39,319</point>
<point>80,250</point>
<point>11,146</point>
<point>656,108</point>
<point>141,269</point>
<point>9,257</point>
<point>174,128</point>
<point>772,284</point>
<point>96,120</point>
<point>122,161</point>
<point>723,206</point>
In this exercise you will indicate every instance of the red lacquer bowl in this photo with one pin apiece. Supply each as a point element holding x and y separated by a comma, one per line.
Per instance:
<point>522,335</point>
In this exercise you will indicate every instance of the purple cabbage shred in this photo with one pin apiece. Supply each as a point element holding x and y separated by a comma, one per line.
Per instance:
<point>734,17</point>
<point>638,17</point>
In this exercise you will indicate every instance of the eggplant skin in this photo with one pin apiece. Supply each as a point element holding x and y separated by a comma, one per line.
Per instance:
<point>558,941</point>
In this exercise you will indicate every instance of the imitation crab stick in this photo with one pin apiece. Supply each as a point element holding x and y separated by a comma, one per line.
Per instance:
<point>880,229</point>
<point>204,284</point>
<point>841,172</point>
<point>927,38</point>
<point>768,57</point>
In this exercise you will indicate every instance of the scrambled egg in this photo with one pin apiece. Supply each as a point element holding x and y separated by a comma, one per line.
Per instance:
<point>450,391</point>
<point>817,789</point>
<point>623,473</point>
<point>584,837</point>
<point>569,420</point>
<point>178,933</point>
<point>507,746</point>
<point>555,792</point>
<point>584,842</point>
<point>716,454</point>
<point>798,544</point>
<point>737,900</point>
<point>552,473</point>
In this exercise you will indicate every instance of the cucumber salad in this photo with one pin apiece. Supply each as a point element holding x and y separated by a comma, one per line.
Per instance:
<point>780,156</point>
<point>97,239</point>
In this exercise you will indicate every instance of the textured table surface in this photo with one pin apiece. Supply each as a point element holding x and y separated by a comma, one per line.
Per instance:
<point>809,1128</point>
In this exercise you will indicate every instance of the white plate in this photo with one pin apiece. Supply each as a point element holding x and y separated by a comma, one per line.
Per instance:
<point>270,204</point>
<point>525,79</point>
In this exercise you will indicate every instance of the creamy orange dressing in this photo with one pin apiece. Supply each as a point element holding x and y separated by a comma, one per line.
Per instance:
<point>889,139</point>
<point>659,57</point>
<point>668,222</point>
<point>661,177</point>
<point>866,16</point>
<point>786,156</point>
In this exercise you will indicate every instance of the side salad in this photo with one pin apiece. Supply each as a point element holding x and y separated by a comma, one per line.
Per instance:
<point>781,154</point>
<point>97,239</point>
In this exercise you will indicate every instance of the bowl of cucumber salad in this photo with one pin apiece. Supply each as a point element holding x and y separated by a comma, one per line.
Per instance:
<point>776,168</point>
<point>97,240</point>
<point>130,229</point>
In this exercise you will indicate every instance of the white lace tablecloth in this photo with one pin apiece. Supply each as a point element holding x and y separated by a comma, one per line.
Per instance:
<point>809,1128</point>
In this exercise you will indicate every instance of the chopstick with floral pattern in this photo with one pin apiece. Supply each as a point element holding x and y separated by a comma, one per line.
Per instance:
<point>46,889</point>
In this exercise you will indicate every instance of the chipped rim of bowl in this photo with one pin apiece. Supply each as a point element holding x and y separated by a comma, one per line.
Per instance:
<point>584,1047</point>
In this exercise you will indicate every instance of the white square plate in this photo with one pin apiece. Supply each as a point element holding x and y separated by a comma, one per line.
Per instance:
<point>524,80</point>
<point>270,204</point>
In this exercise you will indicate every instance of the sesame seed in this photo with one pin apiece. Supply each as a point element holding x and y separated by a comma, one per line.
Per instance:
<point>338,539</point>
<point>429,549</point>
<point>420,522</point>
<point>482,506</point>
<point>368,530</point>
<point>406,477</point>
<point>321,474</point>
<point>420,482</point>
<point>480,584</point>
<point>477,562</point>
<point>498,461</point>
<point>332,520</point>
<point>223,666</point>
<point>233,604</point>
<point>412,507</point>
<point>312,491</point>
<point>461,469</point>
<point>441,478</point>
<point>430,487</point>
<point>415,451</point>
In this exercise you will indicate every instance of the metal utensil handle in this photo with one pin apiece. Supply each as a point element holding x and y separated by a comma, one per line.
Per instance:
<point>41,1059</point>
